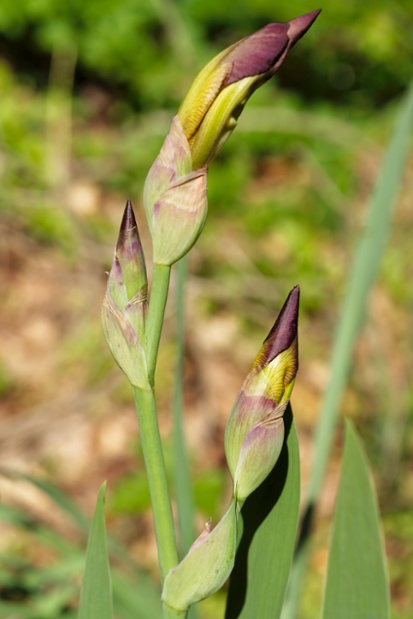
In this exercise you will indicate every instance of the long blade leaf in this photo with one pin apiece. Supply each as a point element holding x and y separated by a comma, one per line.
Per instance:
<point>96,596</point>
<point>364,271</point>
<point>357,584</point>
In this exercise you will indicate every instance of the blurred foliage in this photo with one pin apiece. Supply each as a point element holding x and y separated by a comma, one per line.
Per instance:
<point>143,47</point>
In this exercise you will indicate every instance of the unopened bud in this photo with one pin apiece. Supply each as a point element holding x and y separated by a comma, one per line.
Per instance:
<point>210,110</point>
<point>255,430</point>
<point>125,304</point>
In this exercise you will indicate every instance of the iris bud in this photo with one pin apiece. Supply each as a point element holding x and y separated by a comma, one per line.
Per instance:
<point>255,430</point>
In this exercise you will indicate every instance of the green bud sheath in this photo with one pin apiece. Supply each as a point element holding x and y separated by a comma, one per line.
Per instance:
<point>206,567</point>
<point>124,344</point>
<point>175,199</point>
<point>259,453</point>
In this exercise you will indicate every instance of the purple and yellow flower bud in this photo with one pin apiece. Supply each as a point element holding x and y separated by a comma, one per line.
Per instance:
<point>125,304</point>
<point>217,96</point>
<point>207,565</point>
<point>255,430</point>
<point>175,198</point>
<point>175,189</point>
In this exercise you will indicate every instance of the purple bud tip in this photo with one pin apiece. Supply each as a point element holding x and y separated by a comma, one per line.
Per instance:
<point>128,219</point>
<point>300,25</point>
<point>129,244</point>
<point>285,328</point>
<point>263,52</point>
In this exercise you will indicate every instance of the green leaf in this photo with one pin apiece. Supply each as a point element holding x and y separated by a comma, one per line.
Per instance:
<point>265,553</point>
<point>184,493</point>
<point>96,596</point>
<point>357,583</point>
<point>182,477</point>
<point>365,267</point>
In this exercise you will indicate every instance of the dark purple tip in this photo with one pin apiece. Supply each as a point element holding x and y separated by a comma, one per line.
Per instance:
<point>284,331</point>
<point>263,52</point>
<point>300,25</point>
<point>129,243</point>
<point>128,219</point>
<point>258,53</point>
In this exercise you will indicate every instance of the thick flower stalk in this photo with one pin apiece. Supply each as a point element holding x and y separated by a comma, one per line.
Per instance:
<point>125,304</point>
<point>255,430</point>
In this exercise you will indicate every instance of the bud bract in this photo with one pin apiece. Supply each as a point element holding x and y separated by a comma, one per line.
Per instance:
<point>255,430</point>
<point>175,198</point>
<point>125,304</point>
<point>207,565</point>
<point>218,94</point>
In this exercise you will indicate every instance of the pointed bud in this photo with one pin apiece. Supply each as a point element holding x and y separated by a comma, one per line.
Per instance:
<point>175,199</point>
<point>125,304</point>
<point>130,255</point>
<point>255,430</point>
<point>206,567</point>
<point>218,94</point>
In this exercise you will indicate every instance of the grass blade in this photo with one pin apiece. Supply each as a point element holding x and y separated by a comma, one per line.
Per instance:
<point>364,271</point>
<point>96,596</point>
<point>183,488</point>
<point>265,553</point>
<point>357,584</point>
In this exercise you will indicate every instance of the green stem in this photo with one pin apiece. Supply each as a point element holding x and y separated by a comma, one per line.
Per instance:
<point>172,613</point>
<point>158,484</point>
<point>159,294</point>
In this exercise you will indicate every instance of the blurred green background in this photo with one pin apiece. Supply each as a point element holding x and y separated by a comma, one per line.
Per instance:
<point>87,92</point>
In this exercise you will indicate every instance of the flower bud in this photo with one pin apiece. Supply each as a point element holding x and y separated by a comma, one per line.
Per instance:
<point>175,198</point>
<point>255,430</point>
<point>218,94</point>
<point>207,565</point>
<point>125,304</point>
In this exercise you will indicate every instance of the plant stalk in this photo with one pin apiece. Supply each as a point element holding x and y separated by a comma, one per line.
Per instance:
<point>172,613</point>
<point>157,303</point>
<point>158,484</point>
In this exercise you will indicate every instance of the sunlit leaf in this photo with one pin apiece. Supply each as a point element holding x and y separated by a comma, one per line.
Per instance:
<point>357,584</point>
<point>96,597</point>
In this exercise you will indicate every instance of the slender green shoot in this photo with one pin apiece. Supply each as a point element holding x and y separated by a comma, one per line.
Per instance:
<point>157,481</point>
<point>357,580</point>
<point>156,312</point>
<point>96,596</point>
<point>183,487</point>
